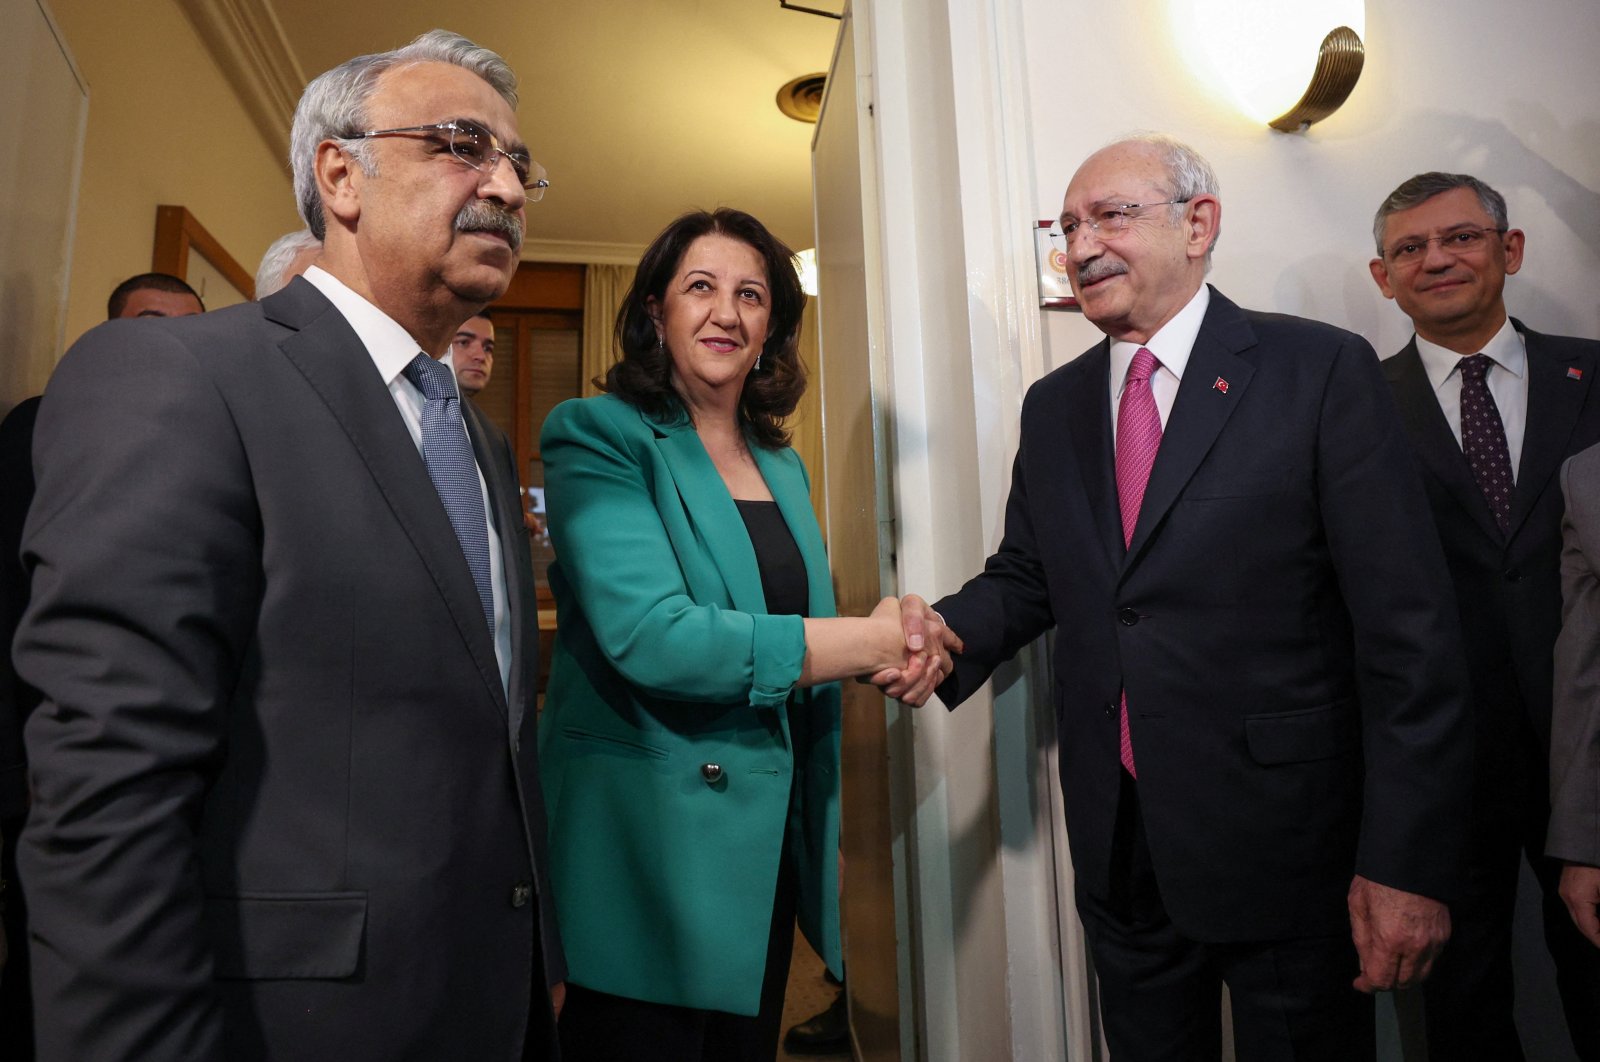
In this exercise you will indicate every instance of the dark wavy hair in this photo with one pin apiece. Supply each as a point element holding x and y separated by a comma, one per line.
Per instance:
<point>642,375</point>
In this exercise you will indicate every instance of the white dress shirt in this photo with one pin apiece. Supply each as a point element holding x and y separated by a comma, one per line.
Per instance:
<point>1507,379</point>
<point>391,348</point>
<point>1171,346</point>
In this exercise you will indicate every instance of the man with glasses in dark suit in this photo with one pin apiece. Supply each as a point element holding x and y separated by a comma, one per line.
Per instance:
<point>1492,408</point>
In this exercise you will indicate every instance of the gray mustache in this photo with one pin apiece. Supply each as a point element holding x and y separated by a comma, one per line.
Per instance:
<point>1099,269</point>
<point>485,217</point>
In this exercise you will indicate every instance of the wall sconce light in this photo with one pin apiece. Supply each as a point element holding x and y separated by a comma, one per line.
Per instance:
<point>1285,64</point>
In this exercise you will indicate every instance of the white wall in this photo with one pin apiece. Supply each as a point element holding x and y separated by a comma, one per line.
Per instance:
<point>1511,95</point>
<point>38,193</point>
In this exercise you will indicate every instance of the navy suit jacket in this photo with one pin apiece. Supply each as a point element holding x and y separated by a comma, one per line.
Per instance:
<point>283,806</point>
<point>1508,586</point>
<point>1281,623</point>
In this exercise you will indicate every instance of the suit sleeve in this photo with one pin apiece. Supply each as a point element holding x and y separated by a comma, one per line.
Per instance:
<point>1410,672</point>
<point>1575,717</point>
<point>1007,605</point>
<point>614,551</point>
<point>143,545</point>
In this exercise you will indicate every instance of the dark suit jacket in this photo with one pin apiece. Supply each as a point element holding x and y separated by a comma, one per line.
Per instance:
<point>1507,586</point>
<point>283,806</point>
<point>1281,623</point>
<point>1575,759</point>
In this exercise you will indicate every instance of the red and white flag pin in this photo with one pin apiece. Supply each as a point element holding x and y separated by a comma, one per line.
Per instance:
<point>1220,385</point>
<point>1574,374</point>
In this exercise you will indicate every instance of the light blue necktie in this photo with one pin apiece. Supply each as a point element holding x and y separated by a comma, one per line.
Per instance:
<point>448,455</point>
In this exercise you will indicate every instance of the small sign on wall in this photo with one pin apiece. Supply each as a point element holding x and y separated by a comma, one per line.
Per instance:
<point>1055,289</point>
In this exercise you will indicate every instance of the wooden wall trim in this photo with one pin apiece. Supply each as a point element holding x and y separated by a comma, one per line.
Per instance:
<point>249,45</point>
<point>177,233</point>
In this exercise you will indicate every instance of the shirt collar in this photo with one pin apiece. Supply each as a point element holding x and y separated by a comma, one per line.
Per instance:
<point>1505,349</point>
<point>1171,345</point>
<point>388,344</point>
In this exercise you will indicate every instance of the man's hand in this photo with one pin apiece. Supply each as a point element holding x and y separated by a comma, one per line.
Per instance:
<point>1580,890</point>
<point>1397,935</point>
<point>558,998</point>
<point>930,644</point>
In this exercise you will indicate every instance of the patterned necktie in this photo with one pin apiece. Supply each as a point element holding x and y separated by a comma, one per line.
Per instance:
<point>1138,439</point>
<point>448,455</point>
<point>1483,438</point>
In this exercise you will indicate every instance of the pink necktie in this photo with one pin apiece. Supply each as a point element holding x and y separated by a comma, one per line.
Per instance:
<point>1138,438</point>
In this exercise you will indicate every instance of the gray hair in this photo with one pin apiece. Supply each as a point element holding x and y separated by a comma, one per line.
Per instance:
<point>1188,174</point>
<point>1424,186</point>
<point>334,106</point>
<point>275,263</point>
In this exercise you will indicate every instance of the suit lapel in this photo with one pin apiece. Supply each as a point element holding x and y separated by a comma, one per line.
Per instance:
<point>506,512</point>
<point>331,357</point>
<point>715,517</point>
<point>1433,440</point>
<point>1555,399</point>
<point>1198,413</point>
<point>1088,422</point>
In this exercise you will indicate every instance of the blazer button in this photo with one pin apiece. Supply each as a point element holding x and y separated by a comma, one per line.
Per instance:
<point>1513,576</point>
<point>1128,617</point>
<point>520,893</point>
<point>711,772</point>
<point>1111,709</point>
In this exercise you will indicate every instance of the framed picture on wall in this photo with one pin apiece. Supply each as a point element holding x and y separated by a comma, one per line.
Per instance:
<point>1055,290</point>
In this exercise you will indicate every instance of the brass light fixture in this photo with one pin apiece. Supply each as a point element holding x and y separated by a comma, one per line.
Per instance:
<point>1285,65</point>
<point>1339,63</point>
<point>801,99</point>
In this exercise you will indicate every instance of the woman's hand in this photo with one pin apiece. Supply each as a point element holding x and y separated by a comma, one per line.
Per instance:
<point>927,644</point>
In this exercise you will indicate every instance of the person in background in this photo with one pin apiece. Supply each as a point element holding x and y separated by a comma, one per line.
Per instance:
<point>1260,699</point>
<point>286,789</point>
<point>153,295</point>
<point>690,734</point>
<point>1575,747</point>
<point>289,256</point>
<point>1492,409</point>
<point>472,352</point>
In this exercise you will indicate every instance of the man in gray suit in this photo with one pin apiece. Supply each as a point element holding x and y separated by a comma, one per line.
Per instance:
<point>286,793</point>
<point>1575,721</point>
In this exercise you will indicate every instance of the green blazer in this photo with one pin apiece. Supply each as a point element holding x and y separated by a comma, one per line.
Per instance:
<point>672,730</point>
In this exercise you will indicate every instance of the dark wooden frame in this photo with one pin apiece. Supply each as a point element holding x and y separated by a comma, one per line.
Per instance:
<point>178,232</point>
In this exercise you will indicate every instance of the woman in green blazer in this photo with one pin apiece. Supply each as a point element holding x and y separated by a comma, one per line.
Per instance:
<point>690,739</point>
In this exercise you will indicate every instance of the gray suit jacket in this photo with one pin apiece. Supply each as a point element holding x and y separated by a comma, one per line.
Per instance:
<point>1575,733</point>
<point>283,807</point>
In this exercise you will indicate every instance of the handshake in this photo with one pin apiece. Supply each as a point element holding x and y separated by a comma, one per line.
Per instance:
<point>921,642</point>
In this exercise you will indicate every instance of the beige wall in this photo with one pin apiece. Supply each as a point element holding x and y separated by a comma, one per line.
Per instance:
<point>164,127</point>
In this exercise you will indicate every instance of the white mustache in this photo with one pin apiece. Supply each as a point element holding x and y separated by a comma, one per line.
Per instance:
<point>484,217</point>
<point>1099,269</point>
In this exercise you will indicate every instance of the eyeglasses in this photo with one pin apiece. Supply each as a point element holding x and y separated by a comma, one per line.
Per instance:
<point>1106,220</point>
<point>478,148</point>
<point>1459,242</point>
